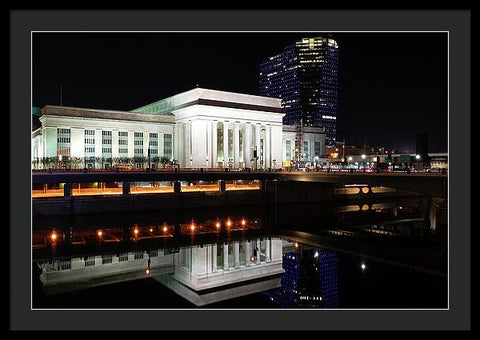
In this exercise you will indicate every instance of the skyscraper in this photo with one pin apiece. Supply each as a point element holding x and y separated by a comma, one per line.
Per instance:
<point>305,76</point>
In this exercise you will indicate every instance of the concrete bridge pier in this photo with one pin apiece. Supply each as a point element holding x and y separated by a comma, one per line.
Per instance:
<point>67,190</point>
<point>222,186</point>
<point>126,188</point>
<point>177,187</point>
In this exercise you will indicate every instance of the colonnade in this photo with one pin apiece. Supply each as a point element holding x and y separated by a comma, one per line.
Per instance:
<point>229,144</point>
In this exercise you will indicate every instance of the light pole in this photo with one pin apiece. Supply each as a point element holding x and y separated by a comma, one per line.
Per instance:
<point>417,161</point>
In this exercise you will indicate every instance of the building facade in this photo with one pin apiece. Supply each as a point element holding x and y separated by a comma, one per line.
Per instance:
<point>305,77</point>
<point>306,144</point>
<point>200,128</point>
<point>99,138</point>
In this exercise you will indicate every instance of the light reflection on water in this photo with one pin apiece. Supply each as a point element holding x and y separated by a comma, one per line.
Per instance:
<point>228,260</point>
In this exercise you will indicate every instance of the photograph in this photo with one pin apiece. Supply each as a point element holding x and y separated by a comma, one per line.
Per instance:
<point>239,170</point>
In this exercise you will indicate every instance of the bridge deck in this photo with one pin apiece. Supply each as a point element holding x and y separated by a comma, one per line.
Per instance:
<point>435,184</point>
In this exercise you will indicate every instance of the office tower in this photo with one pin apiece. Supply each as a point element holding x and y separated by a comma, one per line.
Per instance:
<point>305,76</point>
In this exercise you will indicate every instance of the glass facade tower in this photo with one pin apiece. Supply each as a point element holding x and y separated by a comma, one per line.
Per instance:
<point>305,76</point>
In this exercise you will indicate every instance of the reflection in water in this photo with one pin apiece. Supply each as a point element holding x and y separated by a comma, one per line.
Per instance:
<point>310,279</point>
<point>213,258</point>
<point>199,268</point>
<point>210,273</point>
<point>215,272</point>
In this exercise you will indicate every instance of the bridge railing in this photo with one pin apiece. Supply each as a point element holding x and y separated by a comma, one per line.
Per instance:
<point>217,170</point>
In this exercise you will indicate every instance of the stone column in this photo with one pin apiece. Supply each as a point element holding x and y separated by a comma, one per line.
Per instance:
<point>214,144</point>
<point>146,145</point>
<point>214,258</point>
<point>258,252</point>
<point>161,145</point>
<point>236,145</point>
<point>115,153</point>
<point>225,257</point>
<point>131,147</point>
<point>247,253</point>
<point>267,250</point>
<point>188,151</point>
<point>77,142</point>
<point>188,257</point>
<point>257,145</point>
<point>247,155</point>
<point>225,144</point>
<point>268,133</point>
<point>236,254</point>
<point>98,148</point>
<point>257,142</point>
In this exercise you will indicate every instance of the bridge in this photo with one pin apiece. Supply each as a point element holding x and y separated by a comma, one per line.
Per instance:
<point>431,184</point>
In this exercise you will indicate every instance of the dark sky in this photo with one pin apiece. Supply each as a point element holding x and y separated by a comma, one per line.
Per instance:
<point>392,85</point>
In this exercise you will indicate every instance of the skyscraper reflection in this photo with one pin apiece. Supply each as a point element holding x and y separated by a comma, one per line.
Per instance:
<point>310,279</point>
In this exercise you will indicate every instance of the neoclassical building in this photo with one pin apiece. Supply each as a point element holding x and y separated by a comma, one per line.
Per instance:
<point>200,128</point>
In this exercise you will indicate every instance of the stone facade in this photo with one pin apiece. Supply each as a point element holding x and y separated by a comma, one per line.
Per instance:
<point>200,128</point>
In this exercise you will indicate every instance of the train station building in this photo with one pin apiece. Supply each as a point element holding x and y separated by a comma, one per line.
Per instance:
<point>200,128</point>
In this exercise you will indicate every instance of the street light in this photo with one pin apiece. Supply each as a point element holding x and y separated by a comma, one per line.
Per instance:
<point>350,158</point>
<point>417,157</point>
<point>364,156</point>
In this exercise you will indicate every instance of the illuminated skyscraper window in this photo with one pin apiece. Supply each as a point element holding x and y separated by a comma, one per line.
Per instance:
<point>305,77</point>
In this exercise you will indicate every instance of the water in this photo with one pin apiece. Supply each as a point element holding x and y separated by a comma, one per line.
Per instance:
<point>339,255</point>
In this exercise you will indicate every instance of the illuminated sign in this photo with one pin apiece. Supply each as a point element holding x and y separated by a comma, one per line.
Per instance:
<point>404,158</point>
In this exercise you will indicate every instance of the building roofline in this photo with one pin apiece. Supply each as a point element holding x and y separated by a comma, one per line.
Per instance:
<point>206,95</point>
<point>69,111</point>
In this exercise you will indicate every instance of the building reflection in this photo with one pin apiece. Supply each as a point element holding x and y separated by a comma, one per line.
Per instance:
<point>291,276</point>
<point>310,279</point>
<point>233,268</point>
<point>216,272</point>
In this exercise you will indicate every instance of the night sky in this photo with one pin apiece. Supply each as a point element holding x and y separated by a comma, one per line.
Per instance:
<point>392,85</point>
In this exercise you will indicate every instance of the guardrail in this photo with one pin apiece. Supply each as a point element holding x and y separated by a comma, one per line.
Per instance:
<point>217,170</point>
